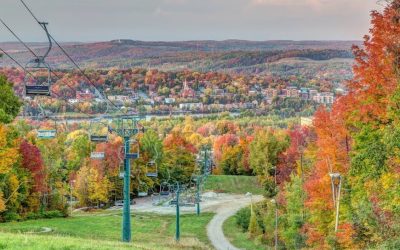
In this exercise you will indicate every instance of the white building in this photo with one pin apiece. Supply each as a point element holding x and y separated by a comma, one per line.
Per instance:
<point>324,98</point>
<point>190,106</point>
<point>169,100</point>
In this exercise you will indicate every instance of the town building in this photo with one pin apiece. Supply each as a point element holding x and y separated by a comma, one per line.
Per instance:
<point>312,93</point>
<point>292,92</point>
<point>324,98</point>
<point>271,93</point>
<point>169,100</point>
<point>191,106</point>
<point>304,93</point>
<point>187,92</point>
<point>120,98</point>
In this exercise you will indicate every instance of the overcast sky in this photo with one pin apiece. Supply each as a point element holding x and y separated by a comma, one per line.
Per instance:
<point>167,20</point>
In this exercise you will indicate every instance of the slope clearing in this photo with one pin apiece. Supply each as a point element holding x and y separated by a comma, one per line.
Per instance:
<point>233,184</point>
<point>103,231</point>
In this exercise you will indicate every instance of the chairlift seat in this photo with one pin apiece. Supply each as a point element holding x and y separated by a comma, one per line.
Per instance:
<point>164,193</point>
<point>132,155</point>
<point>152,175</point>
<point>97,155</point>
<point>98,138</point>
<point>142,194</point>
<point>37,90</point>
<point>46,134</point>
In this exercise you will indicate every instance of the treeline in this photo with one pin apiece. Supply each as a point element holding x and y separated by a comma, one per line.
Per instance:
<point>39,176</point>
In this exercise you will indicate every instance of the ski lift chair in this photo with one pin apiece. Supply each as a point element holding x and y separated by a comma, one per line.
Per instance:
<point>151,169</point>
<point>143,189</point>
<point>47,133</point>
<point>133,152</point>
<point>95,136</point>
<point>39,88</point>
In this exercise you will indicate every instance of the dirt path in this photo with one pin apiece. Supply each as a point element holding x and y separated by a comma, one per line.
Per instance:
<point>224,211</point>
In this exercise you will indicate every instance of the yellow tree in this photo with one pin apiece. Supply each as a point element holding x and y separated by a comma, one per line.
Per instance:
<point>98,186</point>
<point>8,157</point>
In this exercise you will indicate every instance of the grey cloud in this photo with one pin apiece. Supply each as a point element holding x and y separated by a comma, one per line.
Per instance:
<point>94,20</point>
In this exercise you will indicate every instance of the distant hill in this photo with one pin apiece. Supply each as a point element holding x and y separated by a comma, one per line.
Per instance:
<point>234,55</point>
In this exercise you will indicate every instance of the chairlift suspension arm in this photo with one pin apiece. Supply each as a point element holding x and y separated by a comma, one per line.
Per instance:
<point>44,26</point>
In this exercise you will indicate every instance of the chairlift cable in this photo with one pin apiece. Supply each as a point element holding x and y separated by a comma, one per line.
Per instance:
<point>68,56</point>
<point>17,37</point>
<point>16,62</point>
<point>28,72</point>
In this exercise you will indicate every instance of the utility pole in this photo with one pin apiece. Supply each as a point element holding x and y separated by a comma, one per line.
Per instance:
<point>198,195</point>
<point>276,213</point>
<point>177,228</point>
<point>205,162</point>
<point>126,220</point>
<point>336,184</point>
<point>127,127</point>
<point>70,196</point>
<point>276,226</point>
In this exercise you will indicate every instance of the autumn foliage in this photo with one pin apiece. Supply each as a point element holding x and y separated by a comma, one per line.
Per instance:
<point>32,161</point>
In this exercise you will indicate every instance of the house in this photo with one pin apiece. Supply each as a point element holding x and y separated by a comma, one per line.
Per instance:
<point>283,93</point>
<point>218,92</point>
<point>73,101</point>
<point>292,92</point>
<point>169,100</point>
<point>190,106</point>
<point>253,93</point>
<point>120,98</point>
<point>84,95</point>
<point>270,93</point>
<point>304,93</point>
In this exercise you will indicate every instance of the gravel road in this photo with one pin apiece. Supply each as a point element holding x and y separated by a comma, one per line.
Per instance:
<point>224,211</point>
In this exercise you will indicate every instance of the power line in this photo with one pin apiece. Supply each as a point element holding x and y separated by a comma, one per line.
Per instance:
<point>27,47</point>
<point>68,56</point>
<point>16,36</point>
<point>25,70</point>
<point>15,61</point>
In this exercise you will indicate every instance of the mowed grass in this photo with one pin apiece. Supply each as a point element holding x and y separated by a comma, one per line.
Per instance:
<point>103,231</point>
<point>238,238</point>
<point>233,184</point>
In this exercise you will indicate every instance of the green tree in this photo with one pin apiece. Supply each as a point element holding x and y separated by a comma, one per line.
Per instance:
<point>78,149</point>
<point>9,102</point>
<point>254,229</point>
<point>293,216</point>
<point>231,160</point>
<point>263,158</point>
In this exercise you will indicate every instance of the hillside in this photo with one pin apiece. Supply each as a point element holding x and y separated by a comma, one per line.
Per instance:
<point>229,55</point>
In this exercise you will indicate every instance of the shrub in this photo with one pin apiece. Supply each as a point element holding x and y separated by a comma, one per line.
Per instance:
<point>33,216</point>
<point>52,214</point>
<point>11,216</point>
<point>243,218</point>
<point>45,215</point>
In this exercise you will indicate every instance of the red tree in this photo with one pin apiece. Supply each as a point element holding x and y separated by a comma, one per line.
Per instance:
<point>33,162</point>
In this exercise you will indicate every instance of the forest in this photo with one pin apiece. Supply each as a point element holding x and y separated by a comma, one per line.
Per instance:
<point>358,139</point>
